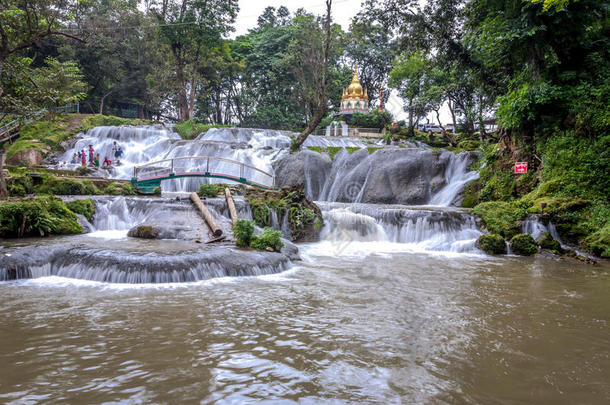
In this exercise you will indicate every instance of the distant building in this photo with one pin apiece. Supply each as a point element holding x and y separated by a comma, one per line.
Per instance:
<point>354,98</point>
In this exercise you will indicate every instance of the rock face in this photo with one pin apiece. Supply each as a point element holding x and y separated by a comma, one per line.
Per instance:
<point>29,157</point>
<point>307,168</point>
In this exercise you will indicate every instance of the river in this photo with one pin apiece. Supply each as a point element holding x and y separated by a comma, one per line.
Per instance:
<point>401,328</point>
<point>394,304</point>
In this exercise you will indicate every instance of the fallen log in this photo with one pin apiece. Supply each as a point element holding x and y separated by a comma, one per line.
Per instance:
<point>231,205</point>
<point>207,215</point>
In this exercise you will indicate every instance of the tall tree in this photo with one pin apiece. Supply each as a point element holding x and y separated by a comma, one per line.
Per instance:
<point>188,27</point>
<point>311,72</point>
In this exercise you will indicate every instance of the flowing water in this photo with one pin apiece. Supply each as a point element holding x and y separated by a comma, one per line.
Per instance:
<point>394,304</point>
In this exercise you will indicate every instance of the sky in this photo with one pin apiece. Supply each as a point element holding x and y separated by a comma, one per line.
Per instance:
<point>342,13</point>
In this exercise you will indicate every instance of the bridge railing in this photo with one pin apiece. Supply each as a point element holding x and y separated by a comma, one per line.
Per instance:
<point>203,165</point>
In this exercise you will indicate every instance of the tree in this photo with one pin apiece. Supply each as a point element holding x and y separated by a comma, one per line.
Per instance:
<point>408,77</point>
<point>24,23</point>
<point>188,27</point>
<point>311,72</point>
<point>59,83</point>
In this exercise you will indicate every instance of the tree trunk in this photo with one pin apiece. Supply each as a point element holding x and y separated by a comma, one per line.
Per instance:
<point>102,102</point>
<point>322,104</point>
<point>449,103</point>
<point>3,189</point>
<point>183,105</point>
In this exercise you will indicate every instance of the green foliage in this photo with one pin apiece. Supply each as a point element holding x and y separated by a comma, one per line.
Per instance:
<point>492,243</point>
<point>469,145</point>
<point>243,229</point>
<point>98,120</point>
<point>67,186</point>
<point>191,129</point>
<point>332,150</point>
<point>523,244</point>
<point>374,119</point>
<point>268,239</point>
<point>210,190</point>
<point>501,217</point>
<point>598,242</point>
<point>84,206</point>
<point>157,191</point>
<point>39,216</point>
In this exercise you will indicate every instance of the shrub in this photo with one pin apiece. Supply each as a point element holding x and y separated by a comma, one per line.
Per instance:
<point>523,244</point>
<point>38,216</point>
<point>268,239</point>
<point>16,190</point>
<point>84,206</point>
<point>243,230</point>
<point>598,242</point>
<point>209,190</point>
<point>492,243</point>
<point>469,145</point>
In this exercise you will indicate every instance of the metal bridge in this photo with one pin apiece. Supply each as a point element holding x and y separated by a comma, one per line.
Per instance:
<point>146,178</point>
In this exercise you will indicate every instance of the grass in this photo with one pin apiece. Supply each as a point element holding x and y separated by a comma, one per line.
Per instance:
<point>333,150</point>
<point>191,129</point>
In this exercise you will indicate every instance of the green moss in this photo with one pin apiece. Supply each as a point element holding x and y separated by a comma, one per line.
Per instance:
<point>333,150</point>
<point>145,232</point>
<point>84,206</point>
<point>157,191</point>
<point>191,129</point>
<point>469,145</point>
<point>523,244</point>
<point>38,216</point>
<point>97,120</point>
<point>547,242</point>
<point>471,194</point>
<point>501,217</point>
<point>598,242</point>
<point>492,244</point>
<point>67,186</point>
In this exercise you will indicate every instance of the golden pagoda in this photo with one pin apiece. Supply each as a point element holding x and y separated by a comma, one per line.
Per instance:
<point>354,99</point>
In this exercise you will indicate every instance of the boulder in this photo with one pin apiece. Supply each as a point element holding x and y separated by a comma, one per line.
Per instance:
<point>307,168</point>
<point>492,244</point>
<point>523,244</point>
<point>30,157</point>
<point>146,231</point>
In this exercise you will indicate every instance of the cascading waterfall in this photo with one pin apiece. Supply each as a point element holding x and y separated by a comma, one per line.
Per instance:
<point>421,228</point>
<point>456,176</point>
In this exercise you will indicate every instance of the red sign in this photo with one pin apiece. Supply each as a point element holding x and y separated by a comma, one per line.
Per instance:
<point>520,167</point>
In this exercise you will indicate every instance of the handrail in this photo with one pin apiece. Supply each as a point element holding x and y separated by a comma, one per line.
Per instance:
<point>207,158</point>
<point>202,157</point>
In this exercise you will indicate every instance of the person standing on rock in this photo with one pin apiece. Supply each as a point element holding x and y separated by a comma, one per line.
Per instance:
<point>91,153</point>
<point>83,159</point>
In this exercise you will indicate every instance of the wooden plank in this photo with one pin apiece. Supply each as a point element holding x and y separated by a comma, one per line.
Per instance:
<point>207,215</point>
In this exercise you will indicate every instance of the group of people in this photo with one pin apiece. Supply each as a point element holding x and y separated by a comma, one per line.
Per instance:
<point>94,158</point>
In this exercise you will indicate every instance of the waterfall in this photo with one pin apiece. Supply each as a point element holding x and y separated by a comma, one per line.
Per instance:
<point>419,228</point>
<point>456,177</point>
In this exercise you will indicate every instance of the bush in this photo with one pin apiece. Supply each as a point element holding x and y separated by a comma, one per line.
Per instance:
<point>469,145</point>
<point>84,206</point>
<point>16,190</point>
<point>38,216</point>
<point>598,242</point>
<point>243,230</point>
<point>209,190</point>
<point>523,244</point>
<point>268,239</point>
<point>492,244</point>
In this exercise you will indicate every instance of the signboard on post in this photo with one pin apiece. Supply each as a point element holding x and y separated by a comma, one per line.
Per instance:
<point>520,167</point>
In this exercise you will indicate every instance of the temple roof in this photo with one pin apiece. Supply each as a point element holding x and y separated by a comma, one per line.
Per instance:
<point>354,90</point>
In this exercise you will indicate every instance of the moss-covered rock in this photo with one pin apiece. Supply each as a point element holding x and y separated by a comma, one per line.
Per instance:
<point>38,216</point>
<point>304,217</point>
<point>523,244</point>
<point>501,217</point>
<point>547,242</point>
<point>471,194</point>
<point>598,242</point>
<point>492,244</point>
<point>84,206</point>
<point>67,186</point>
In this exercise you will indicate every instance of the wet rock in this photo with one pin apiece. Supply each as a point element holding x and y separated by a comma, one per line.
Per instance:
<point>290,250</point>
<point>547,242</point>
<point>492,244</point>
<point>146,231</point>
<point>86,225</point>
<point>307,168</point>
<point>523,244</point>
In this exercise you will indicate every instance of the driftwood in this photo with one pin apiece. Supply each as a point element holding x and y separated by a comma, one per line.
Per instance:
<point>231,205</point>
<point>207,215</point>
